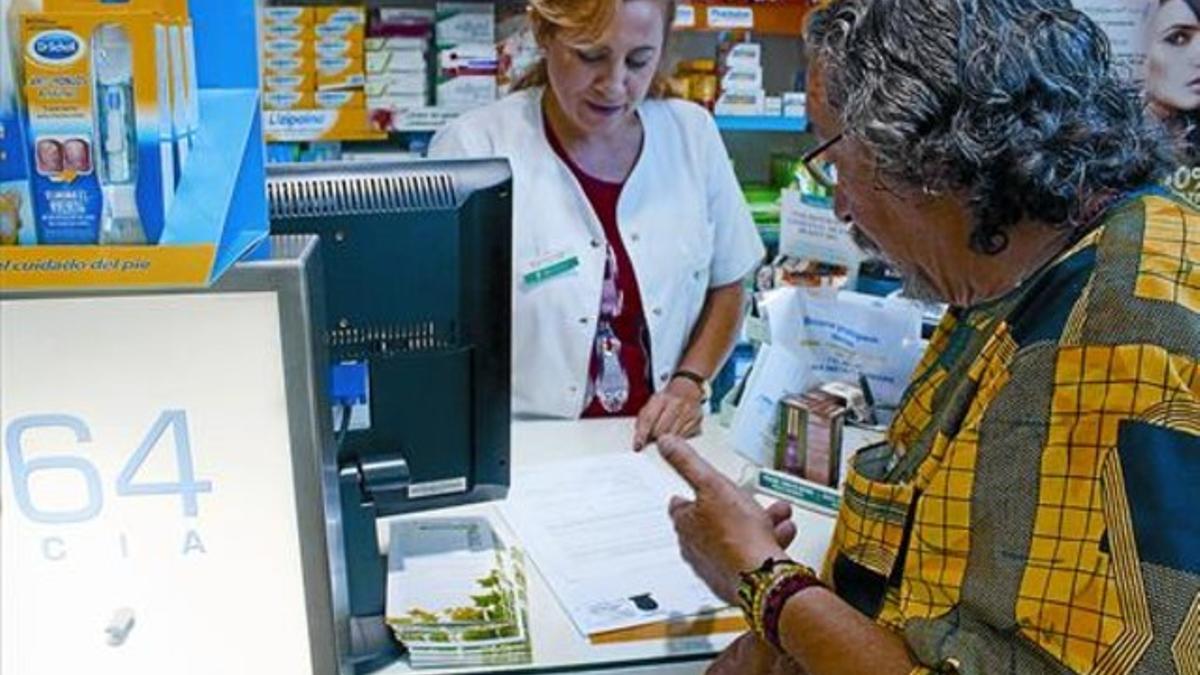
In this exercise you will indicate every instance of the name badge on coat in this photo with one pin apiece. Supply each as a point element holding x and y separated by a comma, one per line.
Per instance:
<point>544,268</point>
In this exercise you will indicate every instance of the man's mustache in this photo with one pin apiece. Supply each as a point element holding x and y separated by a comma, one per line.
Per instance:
<point>865,243</point>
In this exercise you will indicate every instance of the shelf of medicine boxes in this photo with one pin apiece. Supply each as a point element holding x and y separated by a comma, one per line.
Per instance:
<point>778,17</point>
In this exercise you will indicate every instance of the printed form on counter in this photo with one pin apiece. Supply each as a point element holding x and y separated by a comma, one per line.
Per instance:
<point>599,532</point>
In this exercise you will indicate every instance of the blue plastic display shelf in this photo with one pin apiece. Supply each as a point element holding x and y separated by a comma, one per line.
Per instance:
<point>774,123</point>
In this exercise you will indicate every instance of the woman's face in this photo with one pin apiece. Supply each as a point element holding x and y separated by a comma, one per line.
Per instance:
<point>1173,75</point>
<point>49,156</point>
<point>599,86</point>
<point>76,156</point>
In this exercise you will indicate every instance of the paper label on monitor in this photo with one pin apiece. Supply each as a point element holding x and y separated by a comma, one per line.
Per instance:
<point>437,488</point>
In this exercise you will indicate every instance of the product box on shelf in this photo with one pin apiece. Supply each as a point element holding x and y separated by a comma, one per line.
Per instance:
<point>348,47</point>
<point>795,104</point>
<point>289,100</point>
<point>467,75</point>
<point>466,91</point>
<point>289,31</point>
<point>391,84</point>
<point>464,23</point>
<point>745,80</point>
<point>465,33</point>
<point>298,81</point>
<point>401,21</point>
<point>744,54</point>
<point>741,103</point>
<point>338,99</point>
<point>175,38</point>
<point>340,72</point>
<point>340,31</point>
<point>98,103</point>
<point>108,101</point>
<point>397,44</point>
<point>383,61</point>
<point>278,46</point>
<point>290,65</point>
<point>398,59</point>
<point>294,15</point>
<point>353,15</point>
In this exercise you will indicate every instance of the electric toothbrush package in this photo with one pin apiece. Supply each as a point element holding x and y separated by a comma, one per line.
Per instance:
<point>111,110</point>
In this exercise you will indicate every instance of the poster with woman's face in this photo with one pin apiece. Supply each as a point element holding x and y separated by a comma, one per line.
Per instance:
<point>1173,56</point>
<point>1157,42</point>
<point>1173,81</point>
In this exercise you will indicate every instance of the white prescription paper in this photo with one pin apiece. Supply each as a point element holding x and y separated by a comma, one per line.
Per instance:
<point>598,530</point>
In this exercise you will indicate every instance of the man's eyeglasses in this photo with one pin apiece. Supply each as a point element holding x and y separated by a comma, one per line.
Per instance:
<point>822,170</point>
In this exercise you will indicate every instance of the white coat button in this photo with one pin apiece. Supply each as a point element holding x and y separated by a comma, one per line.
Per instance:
<point>595,243</point>
<point>657,311</point>
<point>635,237</point>
<point>584,320</point>
<point>663,378</point>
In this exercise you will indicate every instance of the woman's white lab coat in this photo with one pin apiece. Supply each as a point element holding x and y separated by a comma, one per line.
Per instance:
<point>681,215</point>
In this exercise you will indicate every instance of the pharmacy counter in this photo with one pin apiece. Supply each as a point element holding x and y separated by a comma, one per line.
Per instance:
<point>557,645</point>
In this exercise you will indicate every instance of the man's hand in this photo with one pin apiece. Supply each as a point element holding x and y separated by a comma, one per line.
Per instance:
<point>749,655</point>
<point>677,410</point>
<point>724,531</point>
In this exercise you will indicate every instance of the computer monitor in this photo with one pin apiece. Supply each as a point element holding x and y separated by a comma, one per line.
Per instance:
<point>417,260</point>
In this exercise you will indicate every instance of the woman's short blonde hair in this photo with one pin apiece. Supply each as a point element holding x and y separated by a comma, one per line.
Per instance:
<point>584,22</point>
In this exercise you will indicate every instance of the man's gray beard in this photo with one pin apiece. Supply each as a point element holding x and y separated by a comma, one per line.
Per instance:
<point>912,285</point>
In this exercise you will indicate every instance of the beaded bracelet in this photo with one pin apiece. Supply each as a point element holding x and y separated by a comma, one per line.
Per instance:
<point>767,589</point>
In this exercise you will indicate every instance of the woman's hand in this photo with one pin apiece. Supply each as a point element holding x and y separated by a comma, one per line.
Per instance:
<point>724,532</point>
<point>677,410</point>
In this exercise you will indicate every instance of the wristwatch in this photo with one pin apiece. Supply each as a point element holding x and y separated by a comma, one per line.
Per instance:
<point>698,380</point>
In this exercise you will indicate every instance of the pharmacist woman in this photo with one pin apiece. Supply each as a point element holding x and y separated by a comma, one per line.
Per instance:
<point>631,237</point>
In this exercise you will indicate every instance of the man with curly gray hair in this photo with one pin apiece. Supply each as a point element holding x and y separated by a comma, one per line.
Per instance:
<point>1033,508</point>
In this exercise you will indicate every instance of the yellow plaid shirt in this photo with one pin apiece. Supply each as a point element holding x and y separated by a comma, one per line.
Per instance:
<point>1036,507</point>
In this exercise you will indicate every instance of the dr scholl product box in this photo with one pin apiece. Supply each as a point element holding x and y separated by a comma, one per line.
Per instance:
<point>98,96</point>
<point>174,17</point>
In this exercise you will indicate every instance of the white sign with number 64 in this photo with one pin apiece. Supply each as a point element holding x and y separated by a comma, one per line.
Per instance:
<point>146,501</point>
